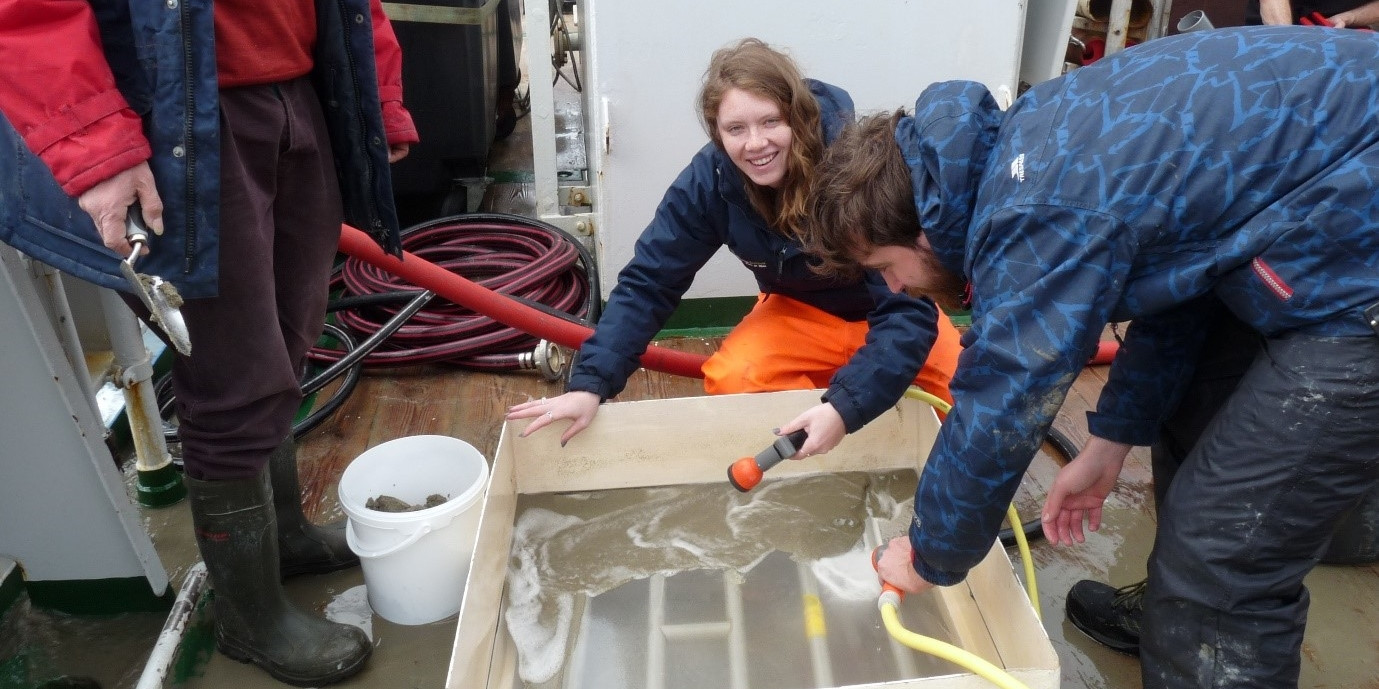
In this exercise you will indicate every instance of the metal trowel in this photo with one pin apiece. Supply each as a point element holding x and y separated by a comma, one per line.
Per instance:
<point>163,302</point>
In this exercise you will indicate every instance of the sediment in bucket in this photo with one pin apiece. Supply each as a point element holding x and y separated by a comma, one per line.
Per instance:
<point>415,563</point>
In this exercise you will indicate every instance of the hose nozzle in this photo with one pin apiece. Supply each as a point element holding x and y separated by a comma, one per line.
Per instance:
<point>747,472</point>
<point>890,593</point>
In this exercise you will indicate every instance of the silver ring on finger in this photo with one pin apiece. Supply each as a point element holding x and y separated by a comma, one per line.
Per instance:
<point>550,416</point>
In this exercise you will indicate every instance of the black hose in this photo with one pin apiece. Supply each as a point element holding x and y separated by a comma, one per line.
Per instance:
<point>352,372</point>
<point>350,365</point>
<point>1034,528</point>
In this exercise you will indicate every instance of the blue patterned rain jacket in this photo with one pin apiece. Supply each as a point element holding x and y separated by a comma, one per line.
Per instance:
<point>1240,163</point>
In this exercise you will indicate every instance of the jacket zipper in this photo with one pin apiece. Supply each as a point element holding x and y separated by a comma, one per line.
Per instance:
<point>188,139</point>
<point>1271,279</point>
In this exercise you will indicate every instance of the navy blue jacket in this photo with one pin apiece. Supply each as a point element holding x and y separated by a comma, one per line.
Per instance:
<point>1238,163</point>
<point>707,208</point>
<point>162,59</point>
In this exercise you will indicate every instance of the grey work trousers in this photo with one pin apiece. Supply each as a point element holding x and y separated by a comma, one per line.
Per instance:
<point>1251,510</point>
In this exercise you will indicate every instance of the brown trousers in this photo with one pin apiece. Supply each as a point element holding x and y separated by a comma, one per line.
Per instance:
<point>239,391</point>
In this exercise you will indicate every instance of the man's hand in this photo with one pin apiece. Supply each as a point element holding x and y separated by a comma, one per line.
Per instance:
<point>108,205</point>
<point>1362,16</point>
<point>895,567</point>
<point>1080,489</point>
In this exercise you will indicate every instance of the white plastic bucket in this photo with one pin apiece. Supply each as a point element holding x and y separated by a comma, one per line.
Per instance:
<point>415,563</point>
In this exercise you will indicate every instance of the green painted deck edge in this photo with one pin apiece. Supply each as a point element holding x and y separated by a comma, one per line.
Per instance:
<point>99,596</point>
<point>512,176</point>
<point>706,317</point>
<point>717,316</point>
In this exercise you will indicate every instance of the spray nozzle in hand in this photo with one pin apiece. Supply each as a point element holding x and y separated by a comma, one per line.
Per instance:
<point>890,593</point>
<point>746,473</point>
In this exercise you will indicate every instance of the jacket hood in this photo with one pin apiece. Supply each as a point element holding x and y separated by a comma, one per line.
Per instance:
<point>835,108</point>
<point>946,143</point>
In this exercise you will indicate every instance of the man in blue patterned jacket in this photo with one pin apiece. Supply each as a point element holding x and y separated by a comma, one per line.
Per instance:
<point>1237,166</point>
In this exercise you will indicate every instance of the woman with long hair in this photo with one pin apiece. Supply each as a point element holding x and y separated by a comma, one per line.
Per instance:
<point>749,189</point>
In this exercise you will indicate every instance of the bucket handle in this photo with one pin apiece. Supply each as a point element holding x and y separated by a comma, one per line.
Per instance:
<point>353,542</point>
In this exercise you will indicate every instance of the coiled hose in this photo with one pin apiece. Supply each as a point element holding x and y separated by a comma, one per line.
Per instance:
<point>531,262</point>
<point>524,259</point>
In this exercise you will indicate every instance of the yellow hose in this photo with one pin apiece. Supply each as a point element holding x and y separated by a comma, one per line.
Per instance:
<point>924,644</point>
<point>946,651</point>
<point>925,396</point>
<point>1031,588</point>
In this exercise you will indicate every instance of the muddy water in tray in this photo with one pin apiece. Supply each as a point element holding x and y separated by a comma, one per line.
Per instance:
<point>703,586</point>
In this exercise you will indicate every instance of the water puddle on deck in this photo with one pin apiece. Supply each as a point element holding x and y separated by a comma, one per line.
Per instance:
<point>700,585</point>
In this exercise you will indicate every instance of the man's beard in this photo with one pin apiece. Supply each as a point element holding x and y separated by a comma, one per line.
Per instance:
<point>946,288</point>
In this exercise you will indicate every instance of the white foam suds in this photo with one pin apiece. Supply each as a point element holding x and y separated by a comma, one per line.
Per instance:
<point>352,607</point>
<point>539,627</point>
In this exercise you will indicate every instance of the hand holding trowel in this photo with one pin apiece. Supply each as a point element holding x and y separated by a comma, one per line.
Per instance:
<point>161,298</point>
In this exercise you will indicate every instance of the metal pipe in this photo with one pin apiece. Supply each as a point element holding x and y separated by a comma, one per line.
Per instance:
<point>737,632</point>
<point>1118,27</point>
<point>158,483</point>
<point>65,325</point>
<point>655,638</point>
<point>540,76</point>
<point>1195,20</point>
<point>687,631</point>
<point>156,670</point>
<point>815,629</point>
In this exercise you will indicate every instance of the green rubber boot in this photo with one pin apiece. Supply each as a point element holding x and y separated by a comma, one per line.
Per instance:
<point>236,531</point>
<point>305,547</point>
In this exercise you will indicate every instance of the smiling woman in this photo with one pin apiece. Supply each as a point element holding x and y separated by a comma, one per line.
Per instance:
<point>759,110</point>
<point>755,136</point>
<point>748,190</point>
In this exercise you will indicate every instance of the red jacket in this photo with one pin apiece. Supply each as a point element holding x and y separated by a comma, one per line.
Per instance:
<point>58,92</point>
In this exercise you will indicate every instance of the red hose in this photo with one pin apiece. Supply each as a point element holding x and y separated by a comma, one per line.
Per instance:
<point>1105,352</point>
<point>530,262</point>
<point>427,275</point>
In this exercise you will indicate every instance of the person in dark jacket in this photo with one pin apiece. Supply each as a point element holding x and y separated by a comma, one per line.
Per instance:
<point>748,190</point>
<point>245,160</point>
<point>1112,615</point>
<point>1232,166</point>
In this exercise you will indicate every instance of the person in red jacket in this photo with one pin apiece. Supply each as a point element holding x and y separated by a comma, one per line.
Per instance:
<point>245,159</point>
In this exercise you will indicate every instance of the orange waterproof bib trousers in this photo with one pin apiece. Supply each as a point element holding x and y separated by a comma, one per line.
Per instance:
<point>784,344</point>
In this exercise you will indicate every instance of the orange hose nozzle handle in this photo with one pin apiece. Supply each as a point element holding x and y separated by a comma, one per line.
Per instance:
<point>886,587</point>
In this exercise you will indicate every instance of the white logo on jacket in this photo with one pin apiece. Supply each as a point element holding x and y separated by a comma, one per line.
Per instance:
<point>1017,168</point>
